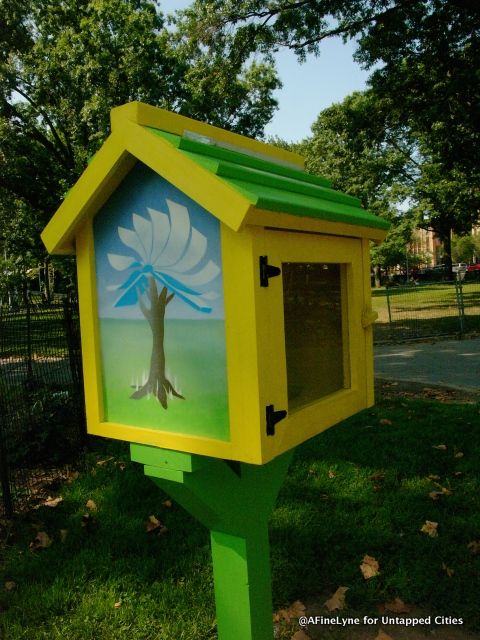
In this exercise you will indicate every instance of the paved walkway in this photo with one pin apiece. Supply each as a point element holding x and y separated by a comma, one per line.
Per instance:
<point>453,363</point>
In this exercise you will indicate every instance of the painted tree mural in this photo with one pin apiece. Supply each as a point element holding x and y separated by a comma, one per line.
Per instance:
<point>168,260</point>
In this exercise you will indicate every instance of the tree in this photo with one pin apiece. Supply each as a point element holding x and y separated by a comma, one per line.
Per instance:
<point>166,250</point>
<point>65,63</point>
<point>351,147</point>
<point>424,55</point>
<point>465,248</point>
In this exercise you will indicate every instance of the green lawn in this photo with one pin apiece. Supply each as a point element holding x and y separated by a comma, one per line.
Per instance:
<point>360,488</point>
<point>425,310</point>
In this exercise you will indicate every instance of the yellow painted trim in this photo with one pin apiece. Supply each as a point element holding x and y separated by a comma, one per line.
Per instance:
<point>150,116</point>
<point>368,330</point>
<point>287,221</point>
<point>306,422</point>
<point>314,419</point>
<point>245,442</point>
<point>99,180</point>
<point>217,197</point>
<point>240,272</point>
<point>167,440</point>
<point>87,295</point>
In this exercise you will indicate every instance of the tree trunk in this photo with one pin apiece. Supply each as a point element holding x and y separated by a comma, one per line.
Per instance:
<point>446,237</point>
<point>376,271</point>
<point>157,382</point>
<point>47,289</point>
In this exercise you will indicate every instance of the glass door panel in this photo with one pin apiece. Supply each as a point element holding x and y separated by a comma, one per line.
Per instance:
<point>316,339</point>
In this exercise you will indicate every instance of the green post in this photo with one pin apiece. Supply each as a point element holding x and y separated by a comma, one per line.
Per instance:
<point>234,500</point>
<point>241,572</point>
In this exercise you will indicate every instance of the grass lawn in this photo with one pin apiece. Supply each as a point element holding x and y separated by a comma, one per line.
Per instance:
<point>361,488</point>
<point>425,310</point>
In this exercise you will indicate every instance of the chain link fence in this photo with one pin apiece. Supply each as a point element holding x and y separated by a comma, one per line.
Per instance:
<point>42,423</point>
<point>427,310</point>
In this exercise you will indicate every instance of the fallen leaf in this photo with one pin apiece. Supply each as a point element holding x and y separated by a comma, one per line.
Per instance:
<point>337,601</point>
<point>435,495</point>
<point>63,534</point>
<point>331,474</point>
<point>72,476</point>
<point>87,520</point>
<point>167,503</point>
<point>442,447</point>
<point>474,547</point>
<point>100,463</point>
<point>397,606</point>
<point>369,567</point>
<point>432,476</point>
<point>117,605</point>
<point>295,610</point>
<point>10,585</point>
<point>52,502</point>
<point>386,421</point>
<point>383,636</point>
<point>300,635</point>
<point>121,465</point>
<point>448,570</point>
<point>459,454</point>
<point>42,541</point>
<point>444,490</point>
<point>379,476</point>
<point>458,474</point>
<point>430,528</point>
<point>90,504</point>
<point>152,523</point>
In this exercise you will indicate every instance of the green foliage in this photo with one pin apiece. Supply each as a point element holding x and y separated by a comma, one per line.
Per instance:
<point>351,147</point>
<point>46,436</point>
<point>63,66</point>
<point>465,248</point>
<point>424,85</point>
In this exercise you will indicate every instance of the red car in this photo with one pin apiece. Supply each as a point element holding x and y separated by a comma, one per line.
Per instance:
<point>474,267</point>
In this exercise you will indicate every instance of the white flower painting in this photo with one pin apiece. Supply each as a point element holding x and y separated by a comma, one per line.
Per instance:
<point>165,257</point>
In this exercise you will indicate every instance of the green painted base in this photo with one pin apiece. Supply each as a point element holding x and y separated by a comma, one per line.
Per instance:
<point>234,500</point>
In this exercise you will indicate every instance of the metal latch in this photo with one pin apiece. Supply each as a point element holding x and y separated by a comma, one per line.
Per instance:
<point>273,417</point>
<point>267,271</point>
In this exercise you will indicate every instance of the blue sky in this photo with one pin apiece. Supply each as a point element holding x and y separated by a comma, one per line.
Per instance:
<point>307,88</point>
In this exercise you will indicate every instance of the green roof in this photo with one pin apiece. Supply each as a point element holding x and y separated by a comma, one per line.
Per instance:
<point>274,186</point>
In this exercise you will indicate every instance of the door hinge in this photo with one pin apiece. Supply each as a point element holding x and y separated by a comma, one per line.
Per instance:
<point>267,271</point>
<point>273,417</point>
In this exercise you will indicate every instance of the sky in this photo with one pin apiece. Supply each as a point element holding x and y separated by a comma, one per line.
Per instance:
<point>308,88</point>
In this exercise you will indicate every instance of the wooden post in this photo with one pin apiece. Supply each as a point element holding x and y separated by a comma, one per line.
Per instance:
<point>234,501</point>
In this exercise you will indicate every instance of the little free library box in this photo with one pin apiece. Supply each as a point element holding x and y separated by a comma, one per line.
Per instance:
<point>224,293</point>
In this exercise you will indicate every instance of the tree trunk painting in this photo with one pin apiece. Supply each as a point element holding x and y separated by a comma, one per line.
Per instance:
<point>157,383</point>
<point>170,260</point>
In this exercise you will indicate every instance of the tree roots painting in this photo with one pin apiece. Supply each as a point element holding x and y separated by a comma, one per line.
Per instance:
<point>157,383</point>
<point>171,253</point>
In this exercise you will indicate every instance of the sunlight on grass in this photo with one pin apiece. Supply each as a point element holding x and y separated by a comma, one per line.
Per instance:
<point>359,488</point>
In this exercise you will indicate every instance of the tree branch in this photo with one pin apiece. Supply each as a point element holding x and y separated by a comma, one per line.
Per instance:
<point>36,133</point>
<point>65,146</point>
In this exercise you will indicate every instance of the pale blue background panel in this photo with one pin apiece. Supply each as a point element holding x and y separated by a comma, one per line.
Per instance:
<point>150,231</point>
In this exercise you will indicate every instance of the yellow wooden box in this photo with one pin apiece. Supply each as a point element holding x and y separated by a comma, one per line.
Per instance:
<point>224,293</point>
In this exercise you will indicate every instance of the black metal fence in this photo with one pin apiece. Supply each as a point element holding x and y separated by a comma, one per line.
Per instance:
<point>42,422</point>
<point>427,310</point>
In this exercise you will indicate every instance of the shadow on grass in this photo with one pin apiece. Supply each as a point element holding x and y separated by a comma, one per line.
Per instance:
<point>363,488</point>
<point>358,488</point>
